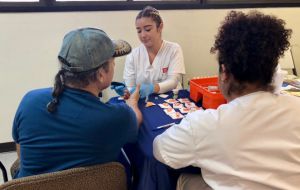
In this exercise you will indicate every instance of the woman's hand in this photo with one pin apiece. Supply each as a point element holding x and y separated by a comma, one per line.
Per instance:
<point>146,90</point>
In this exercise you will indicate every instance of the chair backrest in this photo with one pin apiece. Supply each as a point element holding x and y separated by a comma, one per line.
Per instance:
<point>108,176</point>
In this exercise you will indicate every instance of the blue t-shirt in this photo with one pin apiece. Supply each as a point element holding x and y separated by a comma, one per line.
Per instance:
<point>82,131</point>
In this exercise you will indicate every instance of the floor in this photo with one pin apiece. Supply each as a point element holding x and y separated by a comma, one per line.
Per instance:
<point>7,159</point>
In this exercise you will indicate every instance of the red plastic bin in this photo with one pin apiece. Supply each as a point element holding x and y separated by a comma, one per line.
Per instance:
<point>206,88</point>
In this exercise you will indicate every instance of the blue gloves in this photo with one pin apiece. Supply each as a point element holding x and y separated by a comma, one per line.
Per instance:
<point>146,90</point>
<point>118,87</point>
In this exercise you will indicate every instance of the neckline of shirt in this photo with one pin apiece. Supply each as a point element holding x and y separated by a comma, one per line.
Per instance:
<point>155,58</point>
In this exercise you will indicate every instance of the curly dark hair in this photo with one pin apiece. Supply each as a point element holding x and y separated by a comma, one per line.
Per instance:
<point>249,46</point>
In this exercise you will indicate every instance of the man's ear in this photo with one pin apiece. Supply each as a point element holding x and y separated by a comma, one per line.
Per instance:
<point>100,74</point>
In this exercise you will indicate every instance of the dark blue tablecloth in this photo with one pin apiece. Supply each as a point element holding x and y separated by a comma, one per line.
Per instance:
<point>150,174</point>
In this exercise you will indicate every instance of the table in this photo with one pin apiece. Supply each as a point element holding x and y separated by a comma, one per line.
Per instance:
<point>150,174</point>
<point>291,85</point>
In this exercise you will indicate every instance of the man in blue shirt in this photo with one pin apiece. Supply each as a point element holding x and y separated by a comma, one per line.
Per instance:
<point>68,126</point>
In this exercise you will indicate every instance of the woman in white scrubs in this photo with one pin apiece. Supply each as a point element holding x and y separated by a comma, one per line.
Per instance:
<point>156,64</point>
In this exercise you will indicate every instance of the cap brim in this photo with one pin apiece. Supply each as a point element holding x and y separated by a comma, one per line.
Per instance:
<point>121,48</point>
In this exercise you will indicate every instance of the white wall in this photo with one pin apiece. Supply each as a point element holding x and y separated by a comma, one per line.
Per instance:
<point>29,43</point>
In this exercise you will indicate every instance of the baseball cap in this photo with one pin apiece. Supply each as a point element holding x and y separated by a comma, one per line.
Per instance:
<point>85,49</point>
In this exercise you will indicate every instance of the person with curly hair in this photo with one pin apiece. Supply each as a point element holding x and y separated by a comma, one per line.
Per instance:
<point>253,141</point>
<point>157,65</point>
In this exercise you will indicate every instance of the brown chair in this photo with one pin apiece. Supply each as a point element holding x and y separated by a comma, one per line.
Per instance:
<point>108,176</point>
<point>14,167</point>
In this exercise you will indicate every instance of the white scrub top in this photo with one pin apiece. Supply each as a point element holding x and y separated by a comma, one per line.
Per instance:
<point>253,142</point>
<point>168,61</point>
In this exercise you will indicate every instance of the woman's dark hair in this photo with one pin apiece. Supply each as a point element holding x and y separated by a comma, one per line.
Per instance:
<point>249,46</point>
<point>78,80</point>
<point>152,13</point>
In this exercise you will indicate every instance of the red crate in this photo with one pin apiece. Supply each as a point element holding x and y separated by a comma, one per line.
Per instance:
<point>207,90</point>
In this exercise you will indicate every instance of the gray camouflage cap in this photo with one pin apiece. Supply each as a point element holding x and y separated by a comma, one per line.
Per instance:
<point>87,48</point>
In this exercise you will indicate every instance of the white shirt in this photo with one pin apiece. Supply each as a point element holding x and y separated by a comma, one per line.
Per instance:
<point>167,63</point>
<point>278,78</point>
<point>253,142</point>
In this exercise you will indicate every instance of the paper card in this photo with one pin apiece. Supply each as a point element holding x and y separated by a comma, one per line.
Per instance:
<point>177,105</point>
<point>183,100</point>
<point>171,101</point>
<point>169,111</point>
<point>195,109</point>
<point>190,104</point>
<point>149,104</point>
<point>163,95</point>
<point>185,110</point>
<point>121,98</point>
<point>164,105</point>
<point>176,115</point>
